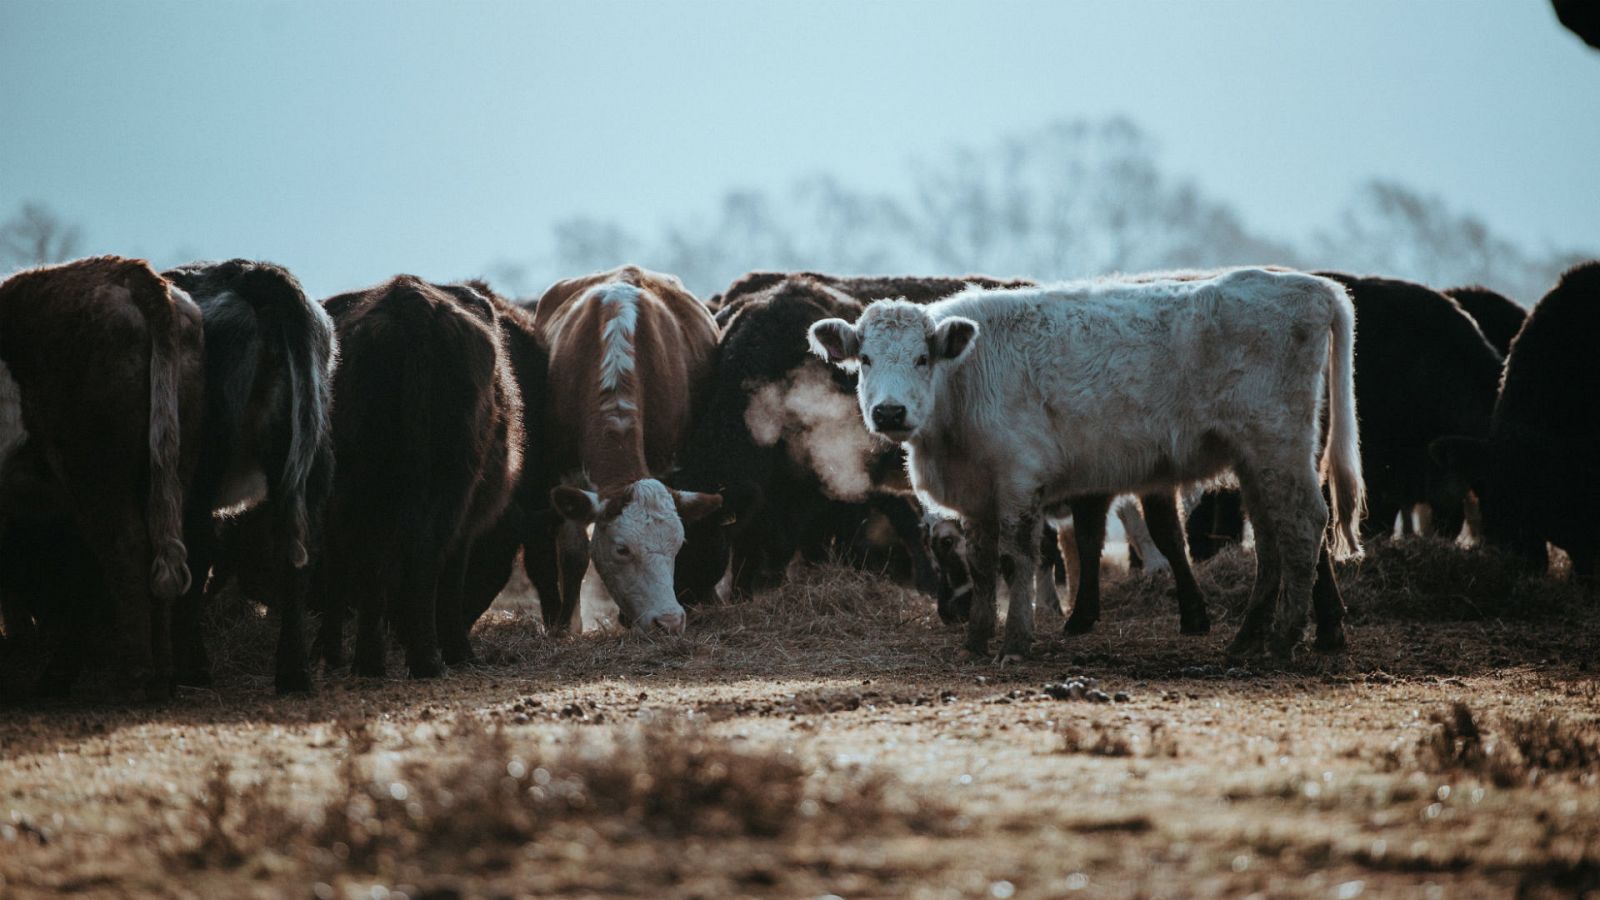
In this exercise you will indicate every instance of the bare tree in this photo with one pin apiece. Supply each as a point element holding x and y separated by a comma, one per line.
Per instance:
<point>1072,199</point>
<point>35,236</point>
<point>1389,229</point>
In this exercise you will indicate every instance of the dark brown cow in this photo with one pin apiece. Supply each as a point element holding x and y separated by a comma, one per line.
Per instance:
<point>631,351</point>
<point>427,431</point>
<point>100,398</point>
<point>269,369</point>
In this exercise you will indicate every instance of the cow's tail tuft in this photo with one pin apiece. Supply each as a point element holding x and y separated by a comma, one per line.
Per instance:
<point>169,568</point>
<point>1341,459</point>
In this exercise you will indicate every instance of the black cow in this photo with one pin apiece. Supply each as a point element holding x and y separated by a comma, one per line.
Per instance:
<point>1538,472</point>
<point>1498,316</point>
<point>269,356</point>
<point>100,401</point>
<point>528,521</point>
<point>427,430</point>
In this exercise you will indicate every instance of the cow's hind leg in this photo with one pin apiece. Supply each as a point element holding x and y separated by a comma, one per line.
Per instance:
<point>1301,535</point>
<point>417,598</point>
<point>1329,606</point>
<point>450,614</point>
<point>1089,525</point>
<point>291,673</point>
<point>983,542</point>
<point>1251,639</point>
<point>1166,532</point>
<point>1019,565</point>
<point>1047,602</point>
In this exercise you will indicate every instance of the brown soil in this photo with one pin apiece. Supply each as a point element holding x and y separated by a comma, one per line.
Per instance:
<point>829,738</point>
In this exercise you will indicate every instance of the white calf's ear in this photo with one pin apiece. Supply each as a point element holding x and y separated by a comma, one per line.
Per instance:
<point>692,506</point>
<point>835,340</point>
<point>953,337</point>
<point>575,504</point>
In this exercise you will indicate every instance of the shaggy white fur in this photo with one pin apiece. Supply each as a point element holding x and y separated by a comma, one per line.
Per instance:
<point>1017,400</point>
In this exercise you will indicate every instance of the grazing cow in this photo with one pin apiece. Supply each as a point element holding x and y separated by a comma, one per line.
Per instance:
<point>631,353</point>
<point>427,431</point>
<point>527,521</point>
<point>780,435</point>
<point>1011,402</point>
<point>269,355</point>
<point>100,398</point>
<point>1538,472</point>
<point>1498,316</point>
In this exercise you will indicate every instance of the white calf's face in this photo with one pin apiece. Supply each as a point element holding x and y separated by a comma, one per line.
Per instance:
<point>901,355</point>
<point>637,534</point>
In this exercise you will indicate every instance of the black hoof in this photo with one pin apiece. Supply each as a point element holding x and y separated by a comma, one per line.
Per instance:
<point>430,668</point>
<point>1201,626</point>
<point>1079,624</point>
<point>1246,646</point>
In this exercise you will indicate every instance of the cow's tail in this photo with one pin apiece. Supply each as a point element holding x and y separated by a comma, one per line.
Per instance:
<point>304,335</point>
<point>1341,458</point>
<point>169,567</point>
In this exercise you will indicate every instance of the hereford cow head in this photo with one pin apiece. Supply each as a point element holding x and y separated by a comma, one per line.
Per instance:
<point>902,354</point>
<point>637,534</point>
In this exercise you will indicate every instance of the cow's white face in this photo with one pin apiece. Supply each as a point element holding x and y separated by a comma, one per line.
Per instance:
<point>637,534</point>
<point>901,355</point>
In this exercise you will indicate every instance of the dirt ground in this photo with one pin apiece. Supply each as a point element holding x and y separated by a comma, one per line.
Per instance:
<point>829,738</point>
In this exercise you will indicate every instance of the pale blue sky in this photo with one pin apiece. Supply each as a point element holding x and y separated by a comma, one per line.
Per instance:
<point>353,140</point>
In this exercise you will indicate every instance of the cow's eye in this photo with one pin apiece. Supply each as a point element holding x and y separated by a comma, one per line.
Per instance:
<point>922,360</point>
<point>622,550</point>
<point>866,360</point>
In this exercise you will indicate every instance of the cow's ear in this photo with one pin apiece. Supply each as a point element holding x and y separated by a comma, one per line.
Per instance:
<point>694,506</point>
<point>835,340</point>
<point>1464,457</point>
<point>575,504</point>
<point>953,337</point>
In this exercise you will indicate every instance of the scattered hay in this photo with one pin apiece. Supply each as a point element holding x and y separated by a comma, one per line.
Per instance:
<point>484,796</point>
<point>1522,751</point>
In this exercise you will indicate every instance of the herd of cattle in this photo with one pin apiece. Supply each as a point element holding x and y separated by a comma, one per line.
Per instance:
<point>392,451</point>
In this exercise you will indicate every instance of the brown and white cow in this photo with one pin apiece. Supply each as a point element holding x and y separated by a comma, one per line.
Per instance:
<point>100,396</point>
<point>630,353</point>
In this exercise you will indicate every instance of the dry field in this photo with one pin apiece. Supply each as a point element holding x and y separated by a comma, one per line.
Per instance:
<point>828,738</point>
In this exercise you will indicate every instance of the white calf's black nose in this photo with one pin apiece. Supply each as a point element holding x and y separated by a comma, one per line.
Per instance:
<point>889,416</point>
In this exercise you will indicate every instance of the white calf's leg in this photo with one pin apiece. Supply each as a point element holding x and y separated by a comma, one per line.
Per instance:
<point>1138,534</point>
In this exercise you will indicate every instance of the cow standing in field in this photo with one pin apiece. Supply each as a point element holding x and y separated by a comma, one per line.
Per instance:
<point>427,431</point>
<point>265,439</point>
<point>1011,402</point>
<point>1498,316</point>
<point>631,353</point>
<point>1538,472</point>
<point>100,398</point>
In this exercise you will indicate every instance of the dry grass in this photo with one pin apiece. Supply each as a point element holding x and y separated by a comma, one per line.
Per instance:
<point>476,804</point>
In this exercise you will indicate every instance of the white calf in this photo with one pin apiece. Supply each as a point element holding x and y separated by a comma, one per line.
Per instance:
<point>1012,401</point>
